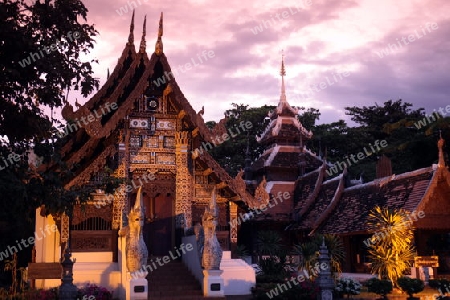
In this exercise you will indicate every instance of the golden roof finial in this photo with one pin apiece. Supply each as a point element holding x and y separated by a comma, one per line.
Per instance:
<point>143,45</point>
<point>159,44</point>
<point>283,70</point>
<point>131,36</point>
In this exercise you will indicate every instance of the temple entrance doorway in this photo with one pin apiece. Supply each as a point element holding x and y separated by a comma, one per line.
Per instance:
<point>159,229</point>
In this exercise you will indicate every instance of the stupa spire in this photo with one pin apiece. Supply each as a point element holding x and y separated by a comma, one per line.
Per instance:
<point>143,44</point>
<point>131,36</point>
<point>159,44</point>
<point>282,73</point>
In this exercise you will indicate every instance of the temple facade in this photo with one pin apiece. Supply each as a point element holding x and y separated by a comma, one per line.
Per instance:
<point>140,129</point>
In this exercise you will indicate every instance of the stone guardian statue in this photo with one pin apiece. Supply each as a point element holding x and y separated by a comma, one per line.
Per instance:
<point>212,252</point>
<point>135,249</point>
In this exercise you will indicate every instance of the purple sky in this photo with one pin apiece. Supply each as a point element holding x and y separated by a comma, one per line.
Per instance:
<point>333,50</point>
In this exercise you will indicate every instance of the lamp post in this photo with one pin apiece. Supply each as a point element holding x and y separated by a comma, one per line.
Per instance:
<point>325,281</point>
<point>67,290</point>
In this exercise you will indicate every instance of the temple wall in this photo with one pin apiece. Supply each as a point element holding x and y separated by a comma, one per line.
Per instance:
<point>46,242</point>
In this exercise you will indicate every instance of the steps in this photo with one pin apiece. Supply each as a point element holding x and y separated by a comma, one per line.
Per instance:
<point>174,281</point>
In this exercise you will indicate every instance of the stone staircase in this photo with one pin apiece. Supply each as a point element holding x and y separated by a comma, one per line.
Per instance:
<point>174,281</point>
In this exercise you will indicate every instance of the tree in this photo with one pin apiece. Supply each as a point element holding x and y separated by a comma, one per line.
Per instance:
<point>309,117</point>
<point>40,63</point>
<point>309,252</point>
<point>410,145</point>
<point>231,154</point>
<point>269,243</point>
<point>40,47</point>
<point>375,117</point>
<point>391,250</point>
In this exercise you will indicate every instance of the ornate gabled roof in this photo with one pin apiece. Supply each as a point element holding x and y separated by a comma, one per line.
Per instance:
<point>330,207</point>
<point>350,214</point>
<point>283,120</point>
<point>88,147</point>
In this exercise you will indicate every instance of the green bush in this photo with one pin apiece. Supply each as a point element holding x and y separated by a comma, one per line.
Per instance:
<point>348,286</point>
<point>269,278</point>
<point>273,266</point>
<point>442,285</point>
<point>380,287</point>
<point>306,290</point>
<point>410,286</point>
<point>88,291</point>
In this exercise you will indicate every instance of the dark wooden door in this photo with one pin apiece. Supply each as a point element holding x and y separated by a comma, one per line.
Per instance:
<point>159,233</point>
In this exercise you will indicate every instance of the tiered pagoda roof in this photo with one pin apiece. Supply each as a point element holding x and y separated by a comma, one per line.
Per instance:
<point>284,125</point>
<point>284,138</point>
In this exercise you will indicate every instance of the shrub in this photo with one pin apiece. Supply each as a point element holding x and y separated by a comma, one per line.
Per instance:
<point>273,266</point>
<point>348,286</point>
<point>442,285</point>
<point>306,290</point>
<point>410,285</point>
<point>30,294</point>
<point>380,287</point>
<point>50,294</point>
<point>100,293</point>
<point>268,278</point>
<point>88,292</point>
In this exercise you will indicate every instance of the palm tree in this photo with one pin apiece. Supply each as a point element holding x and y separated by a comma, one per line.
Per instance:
<point>308,255</point>
<point>335,250</point>
<point>391,249</point>
<point>269,243</point>
<point>309,252</point>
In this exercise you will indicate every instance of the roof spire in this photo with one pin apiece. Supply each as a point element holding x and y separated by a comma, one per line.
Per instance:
<point>441,161</point>
<point>143,44</point>
<point>131,36</point>
<point>159,44</point>
<point>282,73</point>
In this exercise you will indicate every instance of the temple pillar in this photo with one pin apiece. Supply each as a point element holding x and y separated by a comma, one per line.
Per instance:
<point>184,183</point>
<point>65,232</point>
<point>119,204</point>
<point>233,226</point>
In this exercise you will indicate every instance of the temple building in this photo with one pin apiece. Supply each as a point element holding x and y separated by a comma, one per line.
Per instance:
<point>140,127</point>
<point>318,204</point>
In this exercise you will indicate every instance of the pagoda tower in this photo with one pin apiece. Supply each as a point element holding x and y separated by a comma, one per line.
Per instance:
<point>284,140</point>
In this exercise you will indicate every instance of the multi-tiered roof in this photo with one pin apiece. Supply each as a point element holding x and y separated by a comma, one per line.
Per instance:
<point>91,147</point>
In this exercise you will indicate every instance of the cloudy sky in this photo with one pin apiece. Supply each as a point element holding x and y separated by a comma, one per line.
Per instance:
<point>338,53</point>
